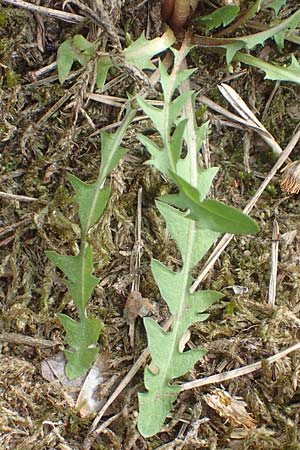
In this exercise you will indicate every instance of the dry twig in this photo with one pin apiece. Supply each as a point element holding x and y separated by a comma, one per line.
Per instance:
<point>221,377</point>
<point>22,339</point>
<point>18,198</point>
<point>62,15</point>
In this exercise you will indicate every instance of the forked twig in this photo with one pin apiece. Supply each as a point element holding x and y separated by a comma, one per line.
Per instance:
<point>215,107</point>
<point>240,106</point>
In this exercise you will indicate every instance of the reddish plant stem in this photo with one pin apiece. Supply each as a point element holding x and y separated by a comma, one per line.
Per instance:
<point>167,9</point>
<point>176,13</point>
<point>180,14</point>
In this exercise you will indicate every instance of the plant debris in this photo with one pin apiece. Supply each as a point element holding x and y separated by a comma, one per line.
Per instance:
<point>48,130</point>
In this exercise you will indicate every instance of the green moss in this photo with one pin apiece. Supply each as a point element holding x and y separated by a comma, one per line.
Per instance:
<point>231,307</point>
<point>12,78</point>
<point>200,113</point>
<point>278,121</point>
<point>6,45</point>
<point>271,190</point>
<point>3,17</point>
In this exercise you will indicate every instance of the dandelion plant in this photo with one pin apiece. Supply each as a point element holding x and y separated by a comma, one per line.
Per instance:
<point>194,223</point>
<point>82,334</point>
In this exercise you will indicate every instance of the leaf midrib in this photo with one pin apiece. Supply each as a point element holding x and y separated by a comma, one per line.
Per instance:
<point>176,320</point>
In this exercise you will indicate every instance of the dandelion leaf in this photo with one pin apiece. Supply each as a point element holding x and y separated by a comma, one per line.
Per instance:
<point>80,336</point>
<point>85,332</point>
<point>179,228</point>
<point>65,59</point>
<point>194,223</point>
<point>274,72</point>
<point>276,5</point>
<point>169,284</point>
<point>155,114</point>
<point>111,153</point>
<point>71,50</point>
<point>140,52</point>
<point>164,346</point>
<point>233,45</point>
<point>78,270</point>
<point>154,406</point>
<point>196,303</point>
<point>91,201</point>
<point>104,63</point>
<point>205,178</point>
<point>221,16</point>
<point>83,50</point>
<point>160,159</point>
<point>169,361</point>
<point>168,84</point>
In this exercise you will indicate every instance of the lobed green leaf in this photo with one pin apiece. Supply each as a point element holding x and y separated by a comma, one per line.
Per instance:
<point>78,270</point>
<point>195,304</point>
<point>194,231</point>
<point>80,336</point>
<point>71,50</point>
<point>104,63</point>
<point>276,5</point>
<point>155,114</point>
<point>92,198</point>
<point>140,52</point>
<point>180,230</point>
<point>111,153</point>
<point>221,16</point>
<point>273,72</point>
<point>154,406</point>
<point>91,201</point>
<point>65,59</point>
<point>171,82</point>
<point>169,284</point>
<point>233,45</point>
<point>160,157</point>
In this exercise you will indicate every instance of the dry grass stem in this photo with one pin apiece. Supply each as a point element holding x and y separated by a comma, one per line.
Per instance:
<point>22,339</point>
<point>245,112</point>
<point>49,129</point>
<point>94,432</point>
<point>18,198</point>
<point>215,107</point>
<point>61,15</point>
<point>274,263</point>
<point>220,378</point>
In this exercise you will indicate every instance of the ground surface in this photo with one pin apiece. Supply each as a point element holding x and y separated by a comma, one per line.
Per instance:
<point>42,138</point>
